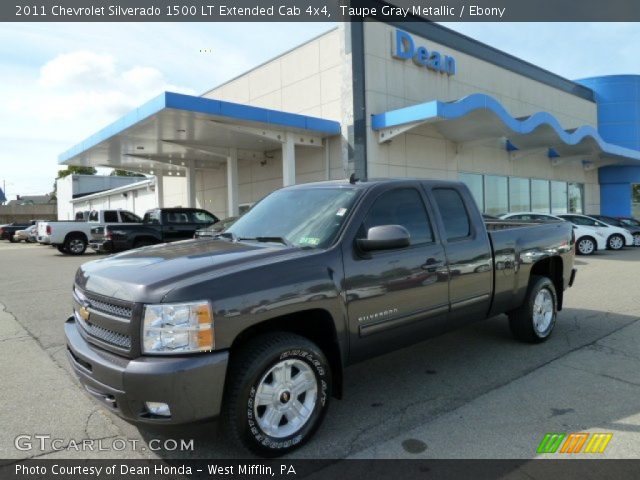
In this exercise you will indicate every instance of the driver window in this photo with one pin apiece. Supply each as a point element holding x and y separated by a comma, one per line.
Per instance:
<point>400,207</point>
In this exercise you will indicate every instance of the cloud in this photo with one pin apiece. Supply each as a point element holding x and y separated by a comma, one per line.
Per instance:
<point>77,68</point>
<point>92,87</point>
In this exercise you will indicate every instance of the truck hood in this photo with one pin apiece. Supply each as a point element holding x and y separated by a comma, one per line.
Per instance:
<point>148,274</point>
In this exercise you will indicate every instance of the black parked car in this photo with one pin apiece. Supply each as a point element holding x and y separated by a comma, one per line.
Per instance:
<point>630,224</point>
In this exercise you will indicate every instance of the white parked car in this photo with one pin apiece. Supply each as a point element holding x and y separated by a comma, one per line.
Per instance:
<point>588,239</point>
<point>617,237</point>
<point>72,237</point>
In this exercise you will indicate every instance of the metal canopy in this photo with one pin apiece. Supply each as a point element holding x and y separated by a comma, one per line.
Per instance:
<point>480,117</point>
<point>174,132</point>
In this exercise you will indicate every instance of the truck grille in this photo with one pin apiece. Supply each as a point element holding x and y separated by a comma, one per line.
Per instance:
<point>104,305</point>
<point>108,336</point>
<point>108,321</point>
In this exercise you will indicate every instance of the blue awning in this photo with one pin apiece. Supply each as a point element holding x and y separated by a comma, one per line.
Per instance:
<point>480,116</point>
<point>174,127</point>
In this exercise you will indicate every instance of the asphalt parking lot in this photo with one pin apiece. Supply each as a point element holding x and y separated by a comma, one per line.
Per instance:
<point>473,393</point>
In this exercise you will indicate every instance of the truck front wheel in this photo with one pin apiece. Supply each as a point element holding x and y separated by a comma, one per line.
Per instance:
<point>277,393</point>
<point>533,322</point>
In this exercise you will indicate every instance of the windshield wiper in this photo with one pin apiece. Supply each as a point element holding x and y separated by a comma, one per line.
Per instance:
<point>282,240</point>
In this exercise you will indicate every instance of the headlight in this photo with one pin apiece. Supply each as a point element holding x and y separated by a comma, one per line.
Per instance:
<point>176,328</point>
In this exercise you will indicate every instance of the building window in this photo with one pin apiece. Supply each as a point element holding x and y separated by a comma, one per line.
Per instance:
<point>496,198</point>
<point>475,184</point>
<point>558,197</point>
<point>519,195</point>
<point>540,198</point>
<point>576,198</point>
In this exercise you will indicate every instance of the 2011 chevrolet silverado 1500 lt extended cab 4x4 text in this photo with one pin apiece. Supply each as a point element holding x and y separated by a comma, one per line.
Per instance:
<point>257,324</point>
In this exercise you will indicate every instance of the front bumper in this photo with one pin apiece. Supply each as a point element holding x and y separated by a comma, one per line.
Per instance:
<point>191,385</point>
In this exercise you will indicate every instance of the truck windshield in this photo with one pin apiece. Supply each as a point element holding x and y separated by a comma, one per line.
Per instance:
<point>303,217</point>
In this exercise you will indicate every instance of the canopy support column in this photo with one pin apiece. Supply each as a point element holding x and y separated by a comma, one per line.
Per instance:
<point>159,191</point>
<point>191,184</point>
<point>232,183</point>
<point>288,161</point>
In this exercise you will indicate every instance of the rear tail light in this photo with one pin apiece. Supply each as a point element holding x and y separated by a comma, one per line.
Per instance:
<point>107,234</point>
<point>48,229</point>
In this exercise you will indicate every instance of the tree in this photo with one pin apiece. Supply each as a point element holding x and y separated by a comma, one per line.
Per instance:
<point>125,173</point>
<point>72,169</point>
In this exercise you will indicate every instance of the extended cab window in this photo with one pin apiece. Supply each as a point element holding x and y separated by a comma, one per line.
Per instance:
<point>177,217</point>
<point>453,212</point>
<point>129,217</point>
<point>93,217</point>
<point>110,216</point>
<point>203,217</point>
<point>152,217</point>
<point>400,207</point>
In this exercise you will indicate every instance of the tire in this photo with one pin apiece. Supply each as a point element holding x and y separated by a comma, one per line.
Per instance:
<point>13,239</point>
<point>615,242</point>
<point>252,375</point>
<point>586,246</point>
<point>636,239</point>
<point>75,244</point>
<point>527,323</point>
<point>61,249</point>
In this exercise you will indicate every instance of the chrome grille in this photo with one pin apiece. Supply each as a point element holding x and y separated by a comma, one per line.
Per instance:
<point>115,310</point>
<point>108,336</point>
<point>97,303</point>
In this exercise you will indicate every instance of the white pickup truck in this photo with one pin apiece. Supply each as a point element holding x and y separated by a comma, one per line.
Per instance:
<point>72,237</point>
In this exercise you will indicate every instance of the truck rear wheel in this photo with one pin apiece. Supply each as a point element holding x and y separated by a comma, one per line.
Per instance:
<point>75,244</point>
<point>277,393</point>
<point>61,248</point>
<point>533,322</point>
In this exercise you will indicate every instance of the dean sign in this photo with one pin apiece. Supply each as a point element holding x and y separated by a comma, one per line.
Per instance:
<point>403,47</point>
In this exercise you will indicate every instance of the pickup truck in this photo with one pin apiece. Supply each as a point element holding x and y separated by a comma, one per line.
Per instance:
<point>159,225</point>
<point>256,326</point>
<point>72,237</point>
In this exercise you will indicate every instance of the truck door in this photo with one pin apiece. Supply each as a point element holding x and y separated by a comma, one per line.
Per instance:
<point>468,252</point>
<point>176,225</point>
<point>401,292</point>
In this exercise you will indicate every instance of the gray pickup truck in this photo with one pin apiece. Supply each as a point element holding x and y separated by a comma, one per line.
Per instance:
<point>257,325</point>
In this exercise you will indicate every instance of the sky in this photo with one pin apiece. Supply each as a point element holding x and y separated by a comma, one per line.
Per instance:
<point>60,83</point>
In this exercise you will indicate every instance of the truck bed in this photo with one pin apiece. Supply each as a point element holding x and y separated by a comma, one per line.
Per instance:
<point>516,246</point>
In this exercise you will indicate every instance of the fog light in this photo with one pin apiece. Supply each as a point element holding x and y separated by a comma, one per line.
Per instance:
<point>158,408</point>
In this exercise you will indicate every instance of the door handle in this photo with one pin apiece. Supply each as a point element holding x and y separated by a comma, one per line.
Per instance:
<point>431,265</point>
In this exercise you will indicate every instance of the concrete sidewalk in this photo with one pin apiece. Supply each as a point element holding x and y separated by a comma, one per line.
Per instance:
<point>50,404</point>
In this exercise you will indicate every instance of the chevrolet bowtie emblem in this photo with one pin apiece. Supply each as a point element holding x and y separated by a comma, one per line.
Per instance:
<point>84,313</point>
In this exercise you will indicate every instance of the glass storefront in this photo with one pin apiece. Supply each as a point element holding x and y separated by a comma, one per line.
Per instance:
<point>519,195</point>
<point>475,184</point>
<point>497,194</point>
<point>576,197</point>
<point>559,197</point>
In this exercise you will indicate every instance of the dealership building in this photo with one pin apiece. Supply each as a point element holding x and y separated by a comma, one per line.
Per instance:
<point>410,99</point>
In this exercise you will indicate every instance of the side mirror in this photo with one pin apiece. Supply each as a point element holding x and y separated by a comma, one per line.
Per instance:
<point>385,237</point>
